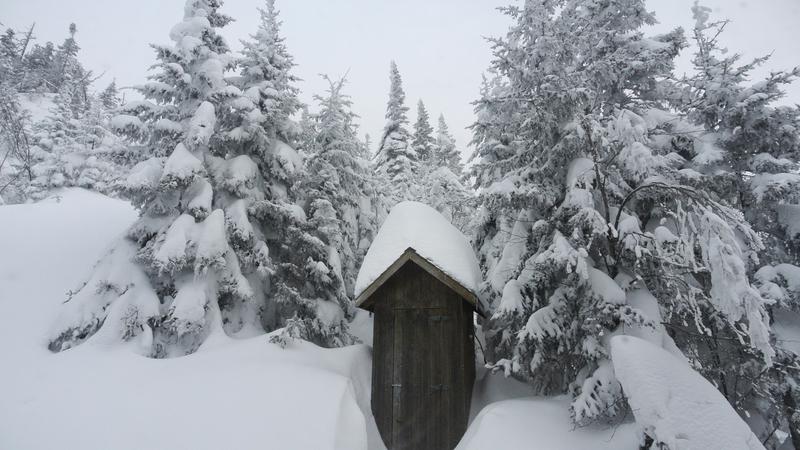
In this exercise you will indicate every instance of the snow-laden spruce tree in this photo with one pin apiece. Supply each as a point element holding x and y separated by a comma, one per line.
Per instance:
<point>444,191</point>
<point>442,186</point>
<point>423,141</point>
<point>586,228</point>
<point>219,247</point>
<point>340,189</point>
<point>267,76</point>
<point>445,152</point>
<point>109,97</point>
<point>745,150</point>
<point>396,160</point>
<point>74,149</point>
<point>306,295</point>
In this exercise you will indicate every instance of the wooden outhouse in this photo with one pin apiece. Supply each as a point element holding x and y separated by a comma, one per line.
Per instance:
<point>423,346</point>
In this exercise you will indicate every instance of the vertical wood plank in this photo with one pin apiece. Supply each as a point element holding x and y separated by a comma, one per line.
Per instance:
<point>422,342</point>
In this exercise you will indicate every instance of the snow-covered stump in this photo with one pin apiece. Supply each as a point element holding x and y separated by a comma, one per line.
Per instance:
<point>420,277</point>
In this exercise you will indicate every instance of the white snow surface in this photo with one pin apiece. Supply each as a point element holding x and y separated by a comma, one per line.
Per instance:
<point>239,394</point>
<point>231,393</point>
<point>675,404</point>
<point>541,424</point>
<point>418,226</point>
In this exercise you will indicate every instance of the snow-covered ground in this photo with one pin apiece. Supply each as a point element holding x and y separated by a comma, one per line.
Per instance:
<point>504,415</point>
<point>234,394</point>
<point>238,394</point>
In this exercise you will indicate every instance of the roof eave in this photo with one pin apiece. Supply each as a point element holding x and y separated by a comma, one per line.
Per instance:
<point>363,299</point>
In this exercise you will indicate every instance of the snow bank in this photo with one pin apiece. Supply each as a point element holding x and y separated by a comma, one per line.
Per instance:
<point>673,403</point>
<point>541,424</point>
<point>415,225</point>
<point>241,394</point>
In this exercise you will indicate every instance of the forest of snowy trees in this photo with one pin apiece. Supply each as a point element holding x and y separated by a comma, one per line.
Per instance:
<point>605,195</point>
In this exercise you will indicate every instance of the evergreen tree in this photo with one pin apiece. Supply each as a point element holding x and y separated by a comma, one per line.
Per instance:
<point>367,153</point>
<point>267,74</point>
<point>586,229</point>
<point>16,146</point>
<point>109,97</point>
<point>396,160</point>
<point>38,65</point>
<point>220,247</point>
<point>423,134</point>
<point>56,138</point>
<point>9,55</point>
<point>746,151</point>
<point>340,188</point>
<point>445,153</point>
<point>66,72</point>
<point>74,149</point>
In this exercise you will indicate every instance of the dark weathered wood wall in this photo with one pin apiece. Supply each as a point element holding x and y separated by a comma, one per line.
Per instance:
<point>423,362</point>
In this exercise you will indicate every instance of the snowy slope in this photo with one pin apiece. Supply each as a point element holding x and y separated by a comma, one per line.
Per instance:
<point>231,394</point>
<point>542,424</point>
<point>675,404</point>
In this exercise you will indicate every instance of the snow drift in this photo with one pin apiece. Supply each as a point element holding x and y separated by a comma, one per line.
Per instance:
<point>674,404</point>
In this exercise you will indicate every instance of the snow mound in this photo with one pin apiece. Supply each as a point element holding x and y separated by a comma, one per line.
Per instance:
<point>418,226</point>
<point>238,394</point>
<point>541,424</point>
<point>673,403</point>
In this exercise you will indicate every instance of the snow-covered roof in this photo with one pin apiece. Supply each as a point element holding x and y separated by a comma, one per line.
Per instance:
<point>416,231</point>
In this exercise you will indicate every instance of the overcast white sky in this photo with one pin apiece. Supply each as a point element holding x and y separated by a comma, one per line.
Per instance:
<point>438,44</point>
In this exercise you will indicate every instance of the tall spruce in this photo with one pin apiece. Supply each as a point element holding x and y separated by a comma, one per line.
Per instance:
<point>109,97</point>
<point>445,152</point>
<point>396,159</point>
<point>210,253</point>
<point>340,188</point>
<point>745,150</point>
<point>267,74</point>
<point>587,229</point>
<point>423,134</point>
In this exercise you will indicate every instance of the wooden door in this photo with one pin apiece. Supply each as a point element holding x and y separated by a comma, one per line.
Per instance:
<point>424,373</point>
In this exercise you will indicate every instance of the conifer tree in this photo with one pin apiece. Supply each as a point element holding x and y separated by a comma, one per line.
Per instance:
<point>215,251</point>
<point>267,76</point>
<point>587,229</point>
<point>367,146</point>
<point>109,97</point>
<point>423,134</point>
<point>396,159</point>
<point>340,184</point>
<point>445,153</point>
<point>745,150</point>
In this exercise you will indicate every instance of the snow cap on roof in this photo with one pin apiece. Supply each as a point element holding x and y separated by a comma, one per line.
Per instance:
<point>421,228</point>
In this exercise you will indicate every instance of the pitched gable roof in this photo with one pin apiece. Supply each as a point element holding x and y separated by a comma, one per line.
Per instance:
<point>364,300</point>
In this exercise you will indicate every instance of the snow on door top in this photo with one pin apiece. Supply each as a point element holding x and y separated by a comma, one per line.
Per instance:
<point>420,227</point>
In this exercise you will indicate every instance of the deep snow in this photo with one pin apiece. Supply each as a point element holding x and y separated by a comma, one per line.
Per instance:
<point>675,403</point>
<point>231,394</point>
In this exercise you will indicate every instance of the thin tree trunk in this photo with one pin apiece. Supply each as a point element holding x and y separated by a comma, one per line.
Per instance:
<point>790,407</point>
